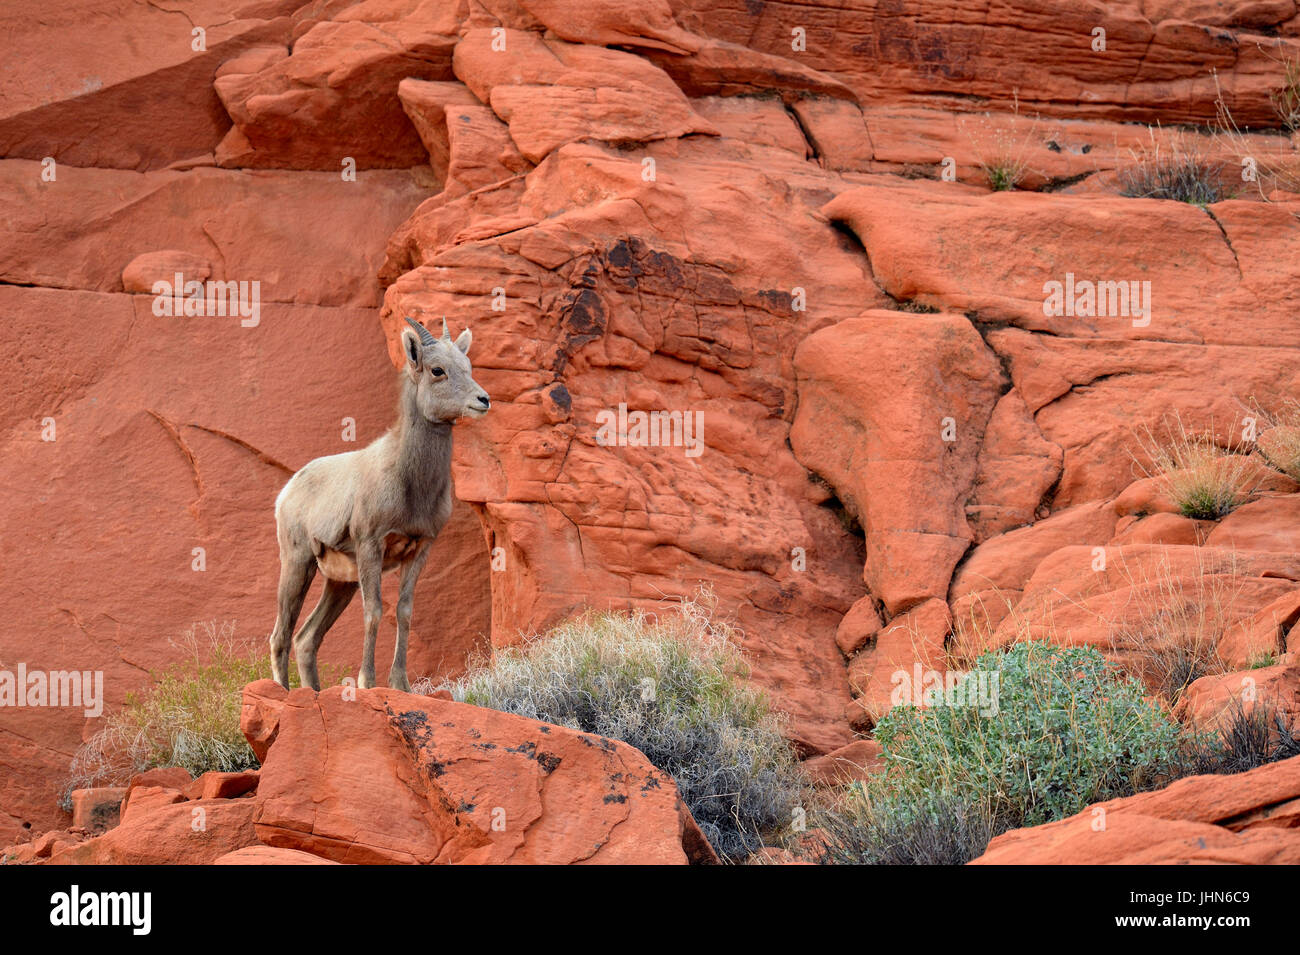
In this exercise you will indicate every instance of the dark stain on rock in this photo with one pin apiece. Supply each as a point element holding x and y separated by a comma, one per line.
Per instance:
<point>548,761</point>
<point>561,397</point>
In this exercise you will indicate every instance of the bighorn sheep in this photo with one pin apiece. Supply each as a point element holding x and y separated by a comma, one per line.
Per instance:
<point>358,515</point>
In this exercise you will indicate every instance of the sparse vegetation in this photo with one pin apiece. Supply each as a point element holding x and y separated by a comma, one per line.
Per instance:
<point>189,717</point>
<point>1279,442</point>
<point>1069,730</point>
<point>1179,169</point>
<point>1286,98</point>
<point>1169,631</point>
<point>945,831</point>
<point>1261,660</point>
<point>1245,738</point>
<point>1003,151</point>
<point>674,688</point>
<point>1205,480</point>
<point>1275,167</point>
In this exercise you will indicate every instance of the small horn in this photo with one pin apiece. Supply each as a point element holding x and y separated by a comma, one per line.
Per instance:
<point>445,334</point>
<point>426,337</point>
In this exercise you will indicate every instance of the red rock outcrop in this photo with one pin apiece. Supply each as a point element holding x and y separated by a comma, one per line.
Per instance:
<point>379,776</point>
<point>733,212</point>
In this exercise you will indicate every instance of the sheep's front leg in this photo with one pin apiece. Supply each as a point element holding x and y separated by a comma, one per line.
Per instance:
<point>370,569</point>
<point>405,601</point>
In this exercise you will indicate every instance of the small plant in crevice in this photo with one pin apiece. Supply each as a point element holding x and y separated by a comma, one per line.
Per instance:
<point>1003,147</point>
<point>1285,100</point>
<point>1244,737</point>
<point>188,717</point>
<point>1179,169</point>
<point>1279,438</point>
<point>1204,479</point>
<point>1273,160</point>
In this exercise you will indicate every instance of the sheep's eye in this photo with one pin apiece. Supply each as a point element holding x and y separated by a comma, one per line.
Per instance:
<point>437,372</point>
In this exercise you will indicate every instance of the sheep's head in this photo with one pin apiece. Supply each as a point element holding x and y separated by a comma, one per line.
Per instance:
<point>445,388</point>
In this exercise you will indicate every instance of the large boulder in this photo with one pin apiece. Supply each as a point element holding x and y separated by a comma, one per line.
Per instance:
<point>381,776</point>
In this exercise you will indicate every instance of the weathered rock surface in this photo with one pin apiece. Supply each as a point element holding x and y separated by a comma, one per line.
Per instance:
<point>392,777</point>
<point>727,211</point>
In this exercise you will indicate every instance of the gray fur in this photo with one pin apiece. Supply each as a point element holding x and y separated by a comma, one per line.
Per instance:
<point>358,515</point>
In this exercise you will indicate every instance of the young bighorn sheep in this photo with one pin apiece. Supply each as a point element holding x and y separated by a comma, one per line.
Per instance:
<point>358,515</point>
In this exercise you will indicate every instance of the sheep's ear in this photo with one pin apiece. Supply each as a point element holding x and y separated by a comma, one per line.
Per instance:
<point>463,341</point>
<point>411,348</point>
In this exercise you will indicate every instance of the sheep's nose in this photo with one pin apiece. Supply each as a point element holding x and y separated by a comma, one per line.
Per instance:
<point>484,400</point>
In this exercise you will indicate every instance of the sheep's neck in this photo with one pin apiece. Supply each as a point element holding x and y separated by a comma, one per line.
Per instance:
<point>423,453</point>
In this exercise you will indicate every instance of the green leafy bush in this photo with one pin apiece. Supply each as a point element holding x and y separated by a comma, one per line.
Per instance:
<point>1068,731</point>
<point>673,687</point>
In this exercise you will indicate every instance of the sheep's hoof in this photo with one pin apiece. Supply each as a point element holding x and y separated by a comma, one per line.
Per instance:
<point>366,681</point>
<point>400,683</point>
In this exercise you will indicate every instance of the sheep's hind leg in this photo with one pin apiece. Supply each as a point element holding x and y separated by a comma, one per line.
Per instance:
<point>334,599</point>
<point>406,599</point>
<point>296,573</point>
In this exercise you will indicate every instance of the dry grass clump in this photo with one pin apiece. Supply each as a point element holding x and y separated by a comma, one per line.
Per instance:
<point>1279,438</point>
<point>1286,98</point>
<point>1003,151</point>
<point>674,687</point>
<point>1169,629</point>
<point>188,718</point>
<point>1273,168</point>
<point>1179,168</point>
<point>1204,479</point>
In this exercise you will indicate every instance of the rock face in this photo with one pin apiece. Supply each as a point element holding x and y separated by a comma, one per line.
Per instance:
<point>389,777</point>
<point>373,777</point>
<point>1248,819</point>
<point>767,224</point>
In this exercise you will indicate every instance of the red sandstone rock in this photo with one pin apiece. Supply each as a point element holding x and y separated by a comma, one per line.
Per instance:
<point>858,627</point>
<point>1213,700</point>
<point>1164,528</point>
<point>142,800</point>
<point>334,97</point>
<point>166,777</point>
<point>901,449</point>
<point>99,809</point>
<point>1269,524</point>
<point>912,643</point>
<point>1263,634</point>
<point>146,104</point>
<point>148,268</point>
<point>187,833</point>
<point>1017,467</point>
<point>104,230</point>
<point>267,855</point>
<point>392,777</point>
<point>45,845</point>
<point>551,92</point>
<point>858,760</point>
<point>215,785</point>
<point>1121,599</point>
